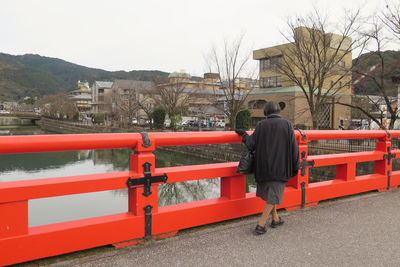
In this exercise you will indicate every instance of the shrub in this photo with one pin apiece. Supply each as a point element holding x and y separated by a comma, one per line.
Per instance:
<point>175,120</point>
<point>243,119</point>
<point>99,118</point>
<point>159,118</point>
<point>75,116</point>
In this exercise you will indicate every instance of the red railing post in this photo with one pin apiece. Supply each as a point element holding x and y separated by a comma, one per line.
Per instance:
<point>233,187</point>
<point>346,172</point>
<point>299,179</point>
<point>137,201</point>
<point>384,166</point>
<point>14,218</point>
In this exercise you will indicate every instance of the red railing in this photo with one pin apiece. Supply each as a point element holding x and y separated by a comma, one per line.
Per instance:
<point>144,219</point>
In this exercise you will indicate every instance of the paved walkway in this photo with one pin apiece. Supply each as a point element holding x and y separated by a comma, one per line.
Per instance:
<point>356,231</point>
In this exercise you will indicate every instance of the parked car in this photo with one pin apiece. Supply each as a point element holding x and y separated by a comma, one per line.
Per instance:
<point>220,123</point>
<point>167,122</point>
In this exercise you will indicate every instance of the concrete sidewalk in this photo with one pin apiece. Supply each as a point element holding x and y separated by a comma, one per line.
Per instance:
<point>357,231</point>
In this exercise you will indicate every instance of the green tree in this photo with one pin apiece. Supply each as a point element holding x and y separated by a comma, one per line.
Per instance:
<point>243,119</point>
<point>159,117</point>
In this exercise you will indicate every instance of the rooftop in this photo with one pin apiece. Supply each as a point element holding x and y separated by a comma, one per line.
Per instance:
<point>103,84</point>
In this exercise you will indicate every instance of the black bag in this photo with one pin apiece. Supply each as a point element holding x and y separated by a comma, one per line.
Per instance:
<point>246,163</point>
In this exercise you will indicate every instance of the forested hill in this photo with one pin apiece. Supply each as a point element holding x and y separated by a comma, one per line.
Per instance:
<point>366,61</point>
<point>34,75</point>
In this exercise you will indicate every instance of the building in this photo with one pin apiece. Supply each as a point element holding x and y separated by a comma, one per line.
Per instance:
<point>204,93</point>
<point>126,95</point>
<point>101,96</point>
<point>210,81</point>
<point>274,86</point>
<point>82,97</point>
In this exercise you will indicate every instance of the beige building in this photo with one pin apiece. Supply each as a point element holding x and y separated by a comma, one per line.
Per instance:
<point>101,96</point>
<point>274,86</point>
<point>204,93</point>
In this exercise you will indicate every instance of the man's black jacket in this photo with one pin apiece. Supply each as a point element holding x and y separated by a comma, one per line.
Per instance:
<point>277,152</point>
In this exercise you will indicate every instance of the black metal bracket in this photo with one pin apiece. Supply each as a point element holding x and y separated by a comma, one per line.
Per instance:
<point>303,194</point>
<point>146,139</point>
<point>389,156</point>
<point>303,135</point>
<point>304,163</point>
<point>147,222</point>
<point>147,180</point>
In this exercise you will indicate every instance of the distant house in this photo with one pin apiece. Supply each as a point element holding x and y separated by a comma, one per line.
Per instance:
<point>125,91</point>
<point>82,97</point>
<point>101,96</point>
<point>206,90</point>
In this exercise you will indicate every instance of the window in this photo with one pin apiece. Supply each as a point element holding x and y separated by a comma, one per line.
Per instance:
<point>274,81</point>
<point>257,104</point>
<point>342,64</point>
<point>270,63</point>
<point>279,81</point>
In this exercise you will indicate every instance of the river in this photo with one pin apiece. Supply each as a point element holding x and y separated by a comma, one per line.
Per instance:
<point>16,167</point>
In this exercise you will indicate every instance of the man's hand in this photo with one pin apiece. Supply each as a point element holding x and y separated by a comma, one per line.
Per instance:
<point>241,132</point>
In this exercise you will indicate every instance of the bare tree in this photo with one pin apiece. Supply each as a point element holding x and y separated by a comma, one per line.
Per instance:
<point>231,64</point>
<point>146,104</point>
<point>58,106</point>
<point>173,97</point>
<point>126,104</point>
<point>380,78</point>
<point>391,18</point>
<point>317,60</point>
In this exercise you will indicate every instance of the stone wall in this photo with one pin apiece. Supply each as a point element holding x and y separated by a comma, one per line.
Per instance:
<point>69,127</point>
<point>217,152</point>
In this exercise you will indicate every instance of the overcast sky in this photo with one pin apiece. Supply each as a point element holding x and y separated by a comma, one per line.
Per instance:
<point>147,34</point>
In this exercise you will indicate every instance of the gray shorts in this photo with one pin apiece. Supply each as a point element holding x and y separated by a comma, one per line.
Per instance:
<point>271,191</point>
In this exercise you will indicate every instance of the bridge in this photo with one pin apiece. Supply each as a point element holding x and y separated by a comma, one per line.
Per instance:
<point>22,115</point>
<point>144,220</point>
<point>19,118</point>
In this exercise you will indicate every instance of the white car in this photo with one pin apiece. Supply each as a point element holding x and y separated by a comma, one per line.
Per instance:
<point>220,123</point>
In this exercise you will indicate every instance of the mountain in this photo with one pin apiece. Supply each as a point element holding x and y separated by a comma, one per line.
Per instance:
<point>364,62</point>
<point>34,75</point>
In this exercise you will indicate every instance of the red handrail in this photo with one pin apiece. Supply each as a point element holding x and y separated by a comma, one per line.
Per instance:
<point>19,243</point>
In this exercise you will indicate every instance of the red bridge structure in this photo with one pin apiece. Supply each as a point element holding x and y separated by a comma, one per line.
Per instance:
<point>144,219</point>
